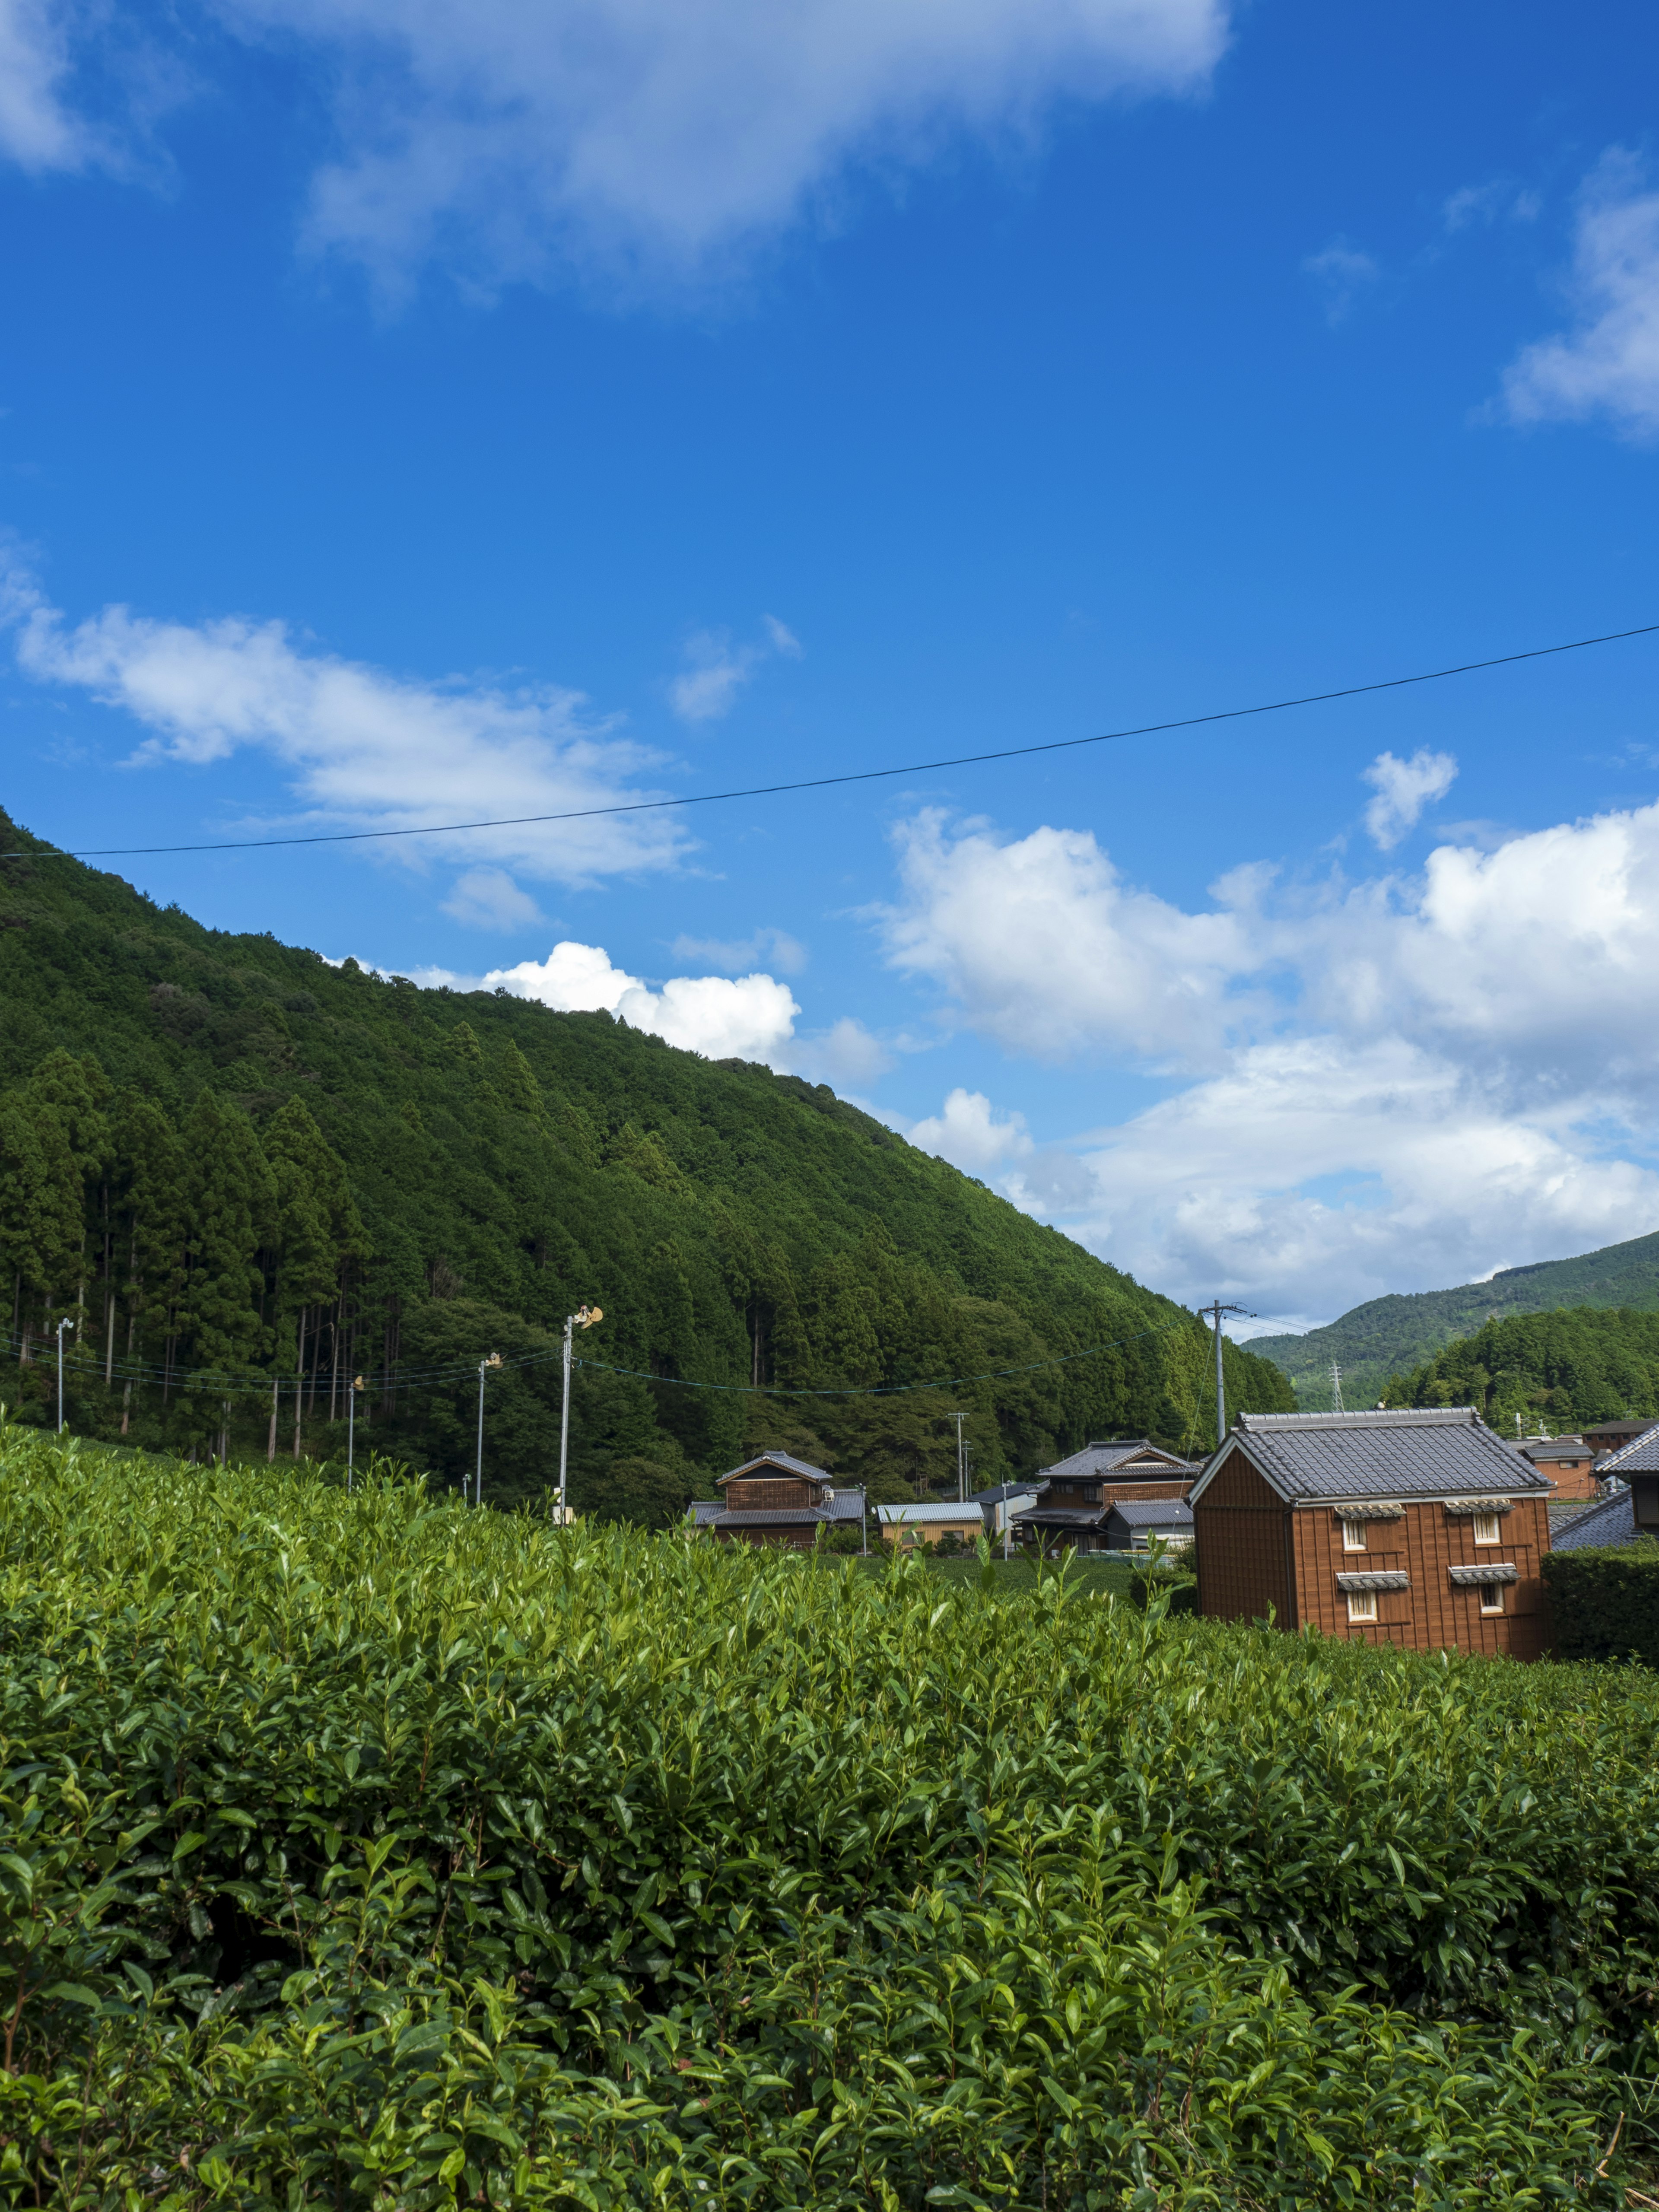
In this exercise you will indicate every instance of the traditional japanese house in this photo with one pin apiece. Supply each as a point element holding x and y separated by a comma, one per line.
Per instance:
<point>1419,1527</point>
<point>1133,1522</point>
<point>777,1499</point>
<point>1076,1495</point>
<point>1606,1437</point>
<point>1568,1461</point>
<point>1637,1465</point>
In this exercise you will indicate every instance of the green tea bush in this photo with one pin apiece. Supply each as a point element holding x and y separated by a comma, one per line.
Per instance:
<point>362,1851</point>
<point>1605,1604</point>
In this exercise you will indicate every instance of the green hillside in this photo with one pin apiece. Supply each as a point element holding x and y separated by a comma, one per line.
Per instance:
<point>227,1159</point>
<point>1563,1368</point>
<point>1395,1335</point>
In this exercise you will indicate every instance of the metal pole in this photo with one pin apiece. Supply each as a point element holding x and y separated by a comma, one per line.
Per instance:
<point>961,1466</point>
<point>478,1495</point>
<point>351,1426</point>
<point>564,1416</point>
<point>62,1326</point>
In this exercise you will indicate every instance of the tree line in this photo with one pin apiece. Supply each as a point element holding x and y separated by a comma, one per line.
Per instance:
<point>1561,1369</point>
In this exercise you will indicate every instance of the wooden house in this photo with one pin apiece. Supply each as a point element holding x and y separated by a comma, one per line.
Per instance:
<point>926,1523</point>
<point>1420,1529</point>
<point>777,1499</point>
<point>1606,1437</point>
<point>1637,1466</point>
<point>1568,1461</point>
<point>1076,1496</point>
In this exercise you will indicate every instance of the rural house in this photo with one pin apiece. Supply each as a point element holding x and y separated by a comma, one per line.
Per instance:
<point>925,1524</point>
<point>1076,1495</point>
<point>1613,1436</point>
<point>1001,1502</point>
<point>1568,1461</point>
<point>1638,1465</point>
<point>1417,1527</point>
<point>1133,1522</point>
<point>776,1500</point>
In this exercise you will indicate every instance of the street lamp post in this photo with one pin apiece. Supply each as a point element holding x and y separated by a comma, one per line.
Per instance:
<point>485,1366</point>
<point>66,1323</point>
<point>584,1317</point>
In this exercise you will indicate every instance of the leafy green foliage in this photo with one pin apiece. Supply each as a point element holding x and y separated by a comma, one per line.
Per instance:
<point>221,1152</point>
<point>1605,1604</point>
<point>370,1849</point>
<point>1582,1364</point>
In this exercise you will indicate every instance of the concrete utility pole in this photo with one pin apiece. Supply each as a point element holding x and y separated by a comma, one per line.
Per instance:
<point>584,1317</point>
<point>962,1465</point>
<point>1215,1313</point>
<point>66,1323</point>
<point>493,1360</point>
<point>351,1425</point>
<point>1336,1389</point>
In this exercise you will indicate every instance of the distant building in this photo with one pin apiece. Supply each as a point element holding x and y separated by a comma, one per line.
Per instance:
<point>1001,1502</point>
<point>1568,1461</point>
<point>1637,1467</point>
<point>1417,1527</point>
<point>1613,1436</point>
<point>1075,1496</point>
<point>1133,1522</point>
<point>1611,1524</point>
<point>777,1499</point>
<point>925,1524</point>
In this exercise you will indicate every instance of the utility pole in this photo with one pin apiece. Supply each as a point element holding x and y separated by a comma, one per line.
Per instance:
<point>962,1465</point>
<point>66,1323</point>
<point>351,1425</point>
<point>493,1360</point>
<point>1336,1389</point>
<point>1215,1312</point>
<point>584,1317</point>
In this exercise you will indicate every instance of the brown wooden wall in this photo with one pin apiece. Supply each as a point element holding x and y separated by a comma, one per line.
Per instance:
<point>1433,1614</point>
<point>770,1493</point>
<point>1241,1540</point>
<point>791,1539</point>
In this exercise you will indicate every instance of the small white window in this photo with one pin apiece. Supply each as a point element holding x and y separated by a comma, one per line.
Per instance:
<point>1353,1535</point>
<point>1362,1604</point>
<point>1486,1531</point>
<point>1491,1597</point>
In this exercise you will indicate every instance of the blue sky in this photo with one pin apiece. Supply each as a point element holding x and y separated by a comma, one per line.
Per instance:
<point>413,414</point>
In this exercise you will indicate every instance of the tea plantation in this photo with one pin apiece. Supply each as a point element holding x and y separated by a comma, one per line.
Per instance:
<point>362,1851</point>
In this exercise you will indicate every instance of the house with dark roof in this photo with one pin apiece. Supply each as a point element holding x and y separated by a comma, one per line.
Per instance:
<point>1133,1522</point>
<point>1075,1496</point>
<point>777,1499</point>
<point>1568,1461</point>
<point>1418,1528</point>
<point>1637,1466</point>
<point>1002,1501</point>
<point>1606,1526</point>
<point>1607,1436</point>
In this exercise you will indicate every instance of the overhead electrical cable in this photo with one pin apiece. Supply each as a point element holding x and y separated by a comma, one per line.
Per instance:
<point>854,776</point>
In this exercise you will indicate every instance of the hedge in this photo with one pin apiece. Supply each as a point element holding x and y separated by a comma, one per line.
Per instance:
<point>1605,1604</point>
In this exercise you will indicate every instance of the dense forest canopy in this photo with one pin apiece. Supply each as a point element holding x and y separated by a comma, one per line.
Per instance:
<point>1558,1370</point>
<point>249,1176</point>
<point>1394,1334</point>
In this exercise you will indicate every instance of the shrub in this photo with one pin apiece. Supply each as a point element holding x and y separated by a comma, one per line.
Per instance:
<point>1605,1604</point>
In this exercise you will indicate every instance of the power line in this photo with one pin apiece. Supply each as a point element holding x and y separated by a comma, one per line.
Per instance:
<point>857,775</point>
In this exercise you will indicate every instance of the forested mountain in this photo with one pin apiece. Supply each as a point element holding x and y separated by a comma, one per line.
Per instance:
<point>249,1176</point>
<point>1389,1336</point>
<point>1561,1370</point>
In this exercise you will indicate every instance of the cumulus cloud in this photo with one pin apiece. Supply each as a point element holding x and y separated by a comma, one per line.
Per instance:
<point>741,1017</point>
<point>508,136</point>
<point>1607,362</point>
<point>1384,1085</point>
<point>1403,789</point>
<point>365,749</point>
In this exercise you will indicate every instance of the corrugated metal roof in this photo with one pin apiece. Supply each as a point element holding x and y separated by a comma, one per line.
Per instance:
<point>1421,1452</point>
<point>790,1466</point>
<point>896,1515</point>
<point>1612,1521</point>
<point>1152,1513</point>
<point>1639,1457</point>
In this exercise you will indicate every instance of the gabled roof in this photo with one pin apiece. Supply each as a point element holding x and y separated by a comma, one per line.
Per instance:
<point>1097,1463</point>
<point>897,1515</point>
<point>1612,1521</point>
<point>782,1461</point>
<point>1434,1451</point>
<point>842,1505</point>
<point>1552,1448</point>
<point>1639,1457</point>
<point>1152,1513</point>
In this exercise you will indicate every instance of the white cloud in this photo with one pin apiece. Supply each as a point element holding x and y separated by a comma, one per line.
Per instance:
<point>1392,1085</point>
<point>845,1055</point>
<point>1607,362</point>
<point>784,639</point>
<point>365,749</point>
<point>731,955</point>
<point>488,898</point>
<point>1403,789</point>
<point>508,136</point>
<point>38,130</point>
<point>1499,200</point>
<point>744,1017</point>
<point>1048,951</point>
<point>1343,274</point>
<point>708,688</point>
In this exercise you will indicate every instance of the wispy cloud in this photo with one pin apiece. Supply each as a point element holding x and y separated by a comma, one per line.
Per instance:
<point>768,947</point>
<point>707,689</point>
<point>1607,362</point>
<point>1344,274</point>
<point>1403,789</point>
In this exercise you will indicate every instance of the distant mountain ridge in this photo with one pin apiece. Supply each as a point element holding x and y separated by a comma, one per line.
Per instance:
<point>1391,1335</point>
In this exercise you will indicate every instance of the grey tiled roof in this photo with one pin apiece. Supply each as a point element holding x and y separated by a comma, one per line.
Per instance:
<point>1153,1513</point>
<point>1493,1570</point>
<point>1612,1521</point>
<point>1374,1578</point>
<point>845,1505</point>
<point>1641,1457</point>
<point>1424,1452</point>
<point>776,1459</point>
<point>1095,1462</point>
<point>703,1511</point>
